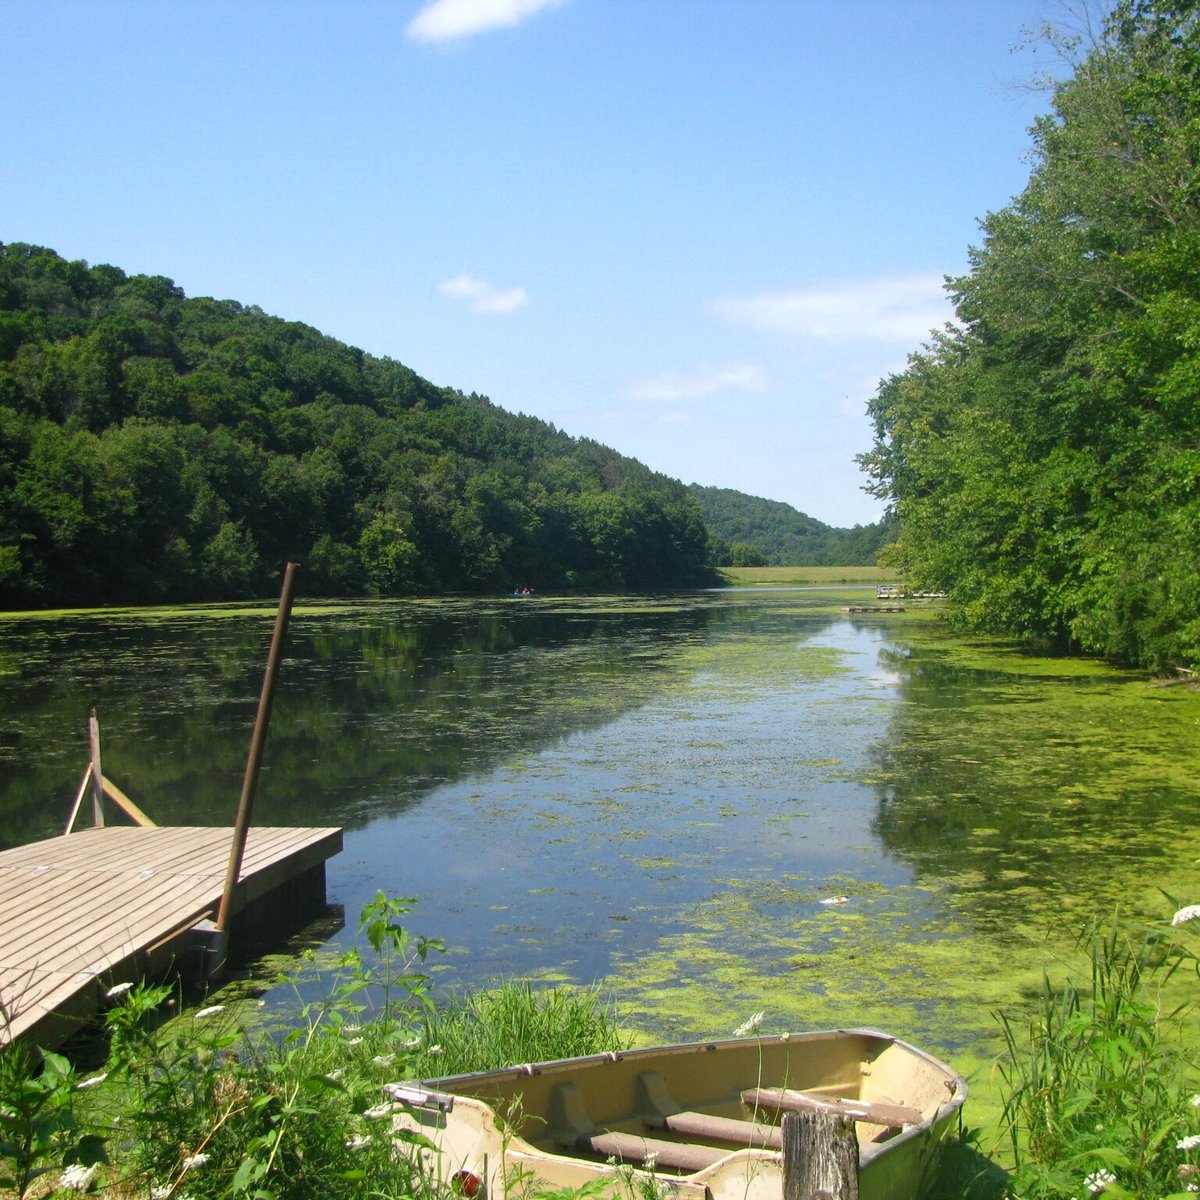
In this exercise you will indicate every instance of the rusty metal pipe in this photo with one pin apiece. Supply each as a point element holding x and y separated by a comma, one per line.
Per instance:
<point>257,741</point>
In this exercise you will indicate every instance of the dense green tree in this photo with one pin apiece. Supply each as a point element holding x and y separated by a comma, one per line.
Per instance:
<point>155,447</point>
<point>771,533</point>
<point>1043,459</point>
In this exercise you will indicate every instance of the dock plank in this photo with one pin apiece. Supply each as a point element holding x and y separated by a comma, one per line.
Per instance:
<point>80,910</point>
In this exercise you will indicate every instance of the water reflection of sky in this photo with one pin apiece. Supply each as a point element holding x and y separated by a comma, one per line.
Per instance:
<point>747,770</point>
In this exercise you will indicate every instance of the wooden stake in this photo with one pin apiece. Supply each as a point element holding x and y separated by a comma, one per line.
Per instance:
<point>122,801</point>
<point>79,795</point>
<point>257,742</point>
<point>820,1157</point>
<point>97,775</point>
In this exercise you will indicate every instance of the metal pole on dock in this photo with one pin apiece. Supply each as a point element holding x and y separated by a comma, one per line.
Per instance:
<point>97,774</point>
<point>254,759</point>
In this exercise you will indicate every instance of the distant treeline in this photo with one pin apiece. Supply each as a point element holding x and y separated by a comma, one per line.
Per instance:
<point>746,531</point>
<point>1043,455</point>
<point>159,448</point>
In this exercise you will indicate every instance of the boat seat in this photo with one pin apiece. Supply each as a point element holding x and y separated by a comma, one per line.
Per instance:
<point>891,1116</point>
<point>572,1129</point>
<point>753,1134</point>
<point>636,1150</point>
<point>659,1111</point>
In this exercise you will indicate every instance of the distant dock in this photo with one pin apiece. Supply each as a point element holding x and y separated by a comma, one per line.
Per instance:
<point>82,912</point>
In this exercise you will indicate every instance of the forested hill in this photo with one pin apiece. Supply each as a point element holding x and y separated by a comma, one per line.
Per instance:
<point>155,447</point>
<point>746,531</point>
<point>1043,456</point>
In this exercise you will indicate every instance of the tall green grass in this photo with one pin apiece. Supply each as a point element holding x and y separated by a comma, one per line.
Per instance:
<point>515,1023</point>
<point>1097,1083</point>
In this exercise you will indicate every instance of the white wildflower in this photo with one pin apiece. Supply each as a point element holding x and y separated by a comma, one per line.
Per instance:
<point>383,1060</point>
<point>1188,1143</point>
<point>380,1110</point>
<point>336,1074</point>
<point>749,1026</point>
<point>77,1177</point>
<point>354,1041</point>
<point>210,1011</point>
<point>1195,1101</point>
<point>434,1050</point>
<point>411,1044</point>
<point>1189,913</point>
<point>118,989</point>
<point>352,1029</point>
<point>194,1160</point>
<point>649,1162</point>
<point>357,1142</point>
<point>1097,1181</point>
<point>91,1081</point>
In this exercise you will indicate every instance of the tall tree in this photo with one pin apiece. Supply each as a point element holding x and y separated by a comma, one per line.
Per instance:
<point>1044,458</point>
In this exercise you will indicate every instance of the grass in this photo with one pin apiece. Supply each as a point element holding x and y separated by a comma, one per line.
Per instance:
<point>806,576</point>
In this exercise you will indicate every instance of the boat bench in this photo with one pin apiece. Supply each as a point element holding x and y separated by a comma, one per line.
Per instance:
<point>640,1151</point>
<point>891,1116</point>
<point>573,1129</point>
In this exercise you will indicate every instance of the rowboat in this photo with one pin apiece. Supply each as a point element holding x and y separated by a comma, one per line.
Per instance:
<point>703,1119</point>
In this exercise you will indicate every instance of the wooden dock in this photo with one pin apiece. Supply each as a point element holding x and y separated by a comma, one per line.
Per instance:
<point>81,912</point>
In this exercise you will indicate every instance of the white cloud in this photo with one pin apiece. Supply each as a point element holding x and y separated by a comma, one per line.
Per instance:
<point>887,310</point>
<point>443,20</point>
<point>673,386</point>
<point>482,296</point>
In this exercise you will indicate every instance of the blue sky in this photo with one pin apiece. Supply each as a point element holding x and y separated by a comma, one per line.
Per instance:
<point>699,231</point>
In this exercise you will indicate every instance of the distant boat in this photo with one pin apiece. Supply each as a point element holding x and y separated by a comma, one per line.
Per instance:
<point>703,1117</point>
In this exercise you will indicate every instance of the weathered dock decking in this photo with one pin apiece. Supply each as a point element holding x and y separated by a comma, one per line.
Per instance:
<point>80,912</point>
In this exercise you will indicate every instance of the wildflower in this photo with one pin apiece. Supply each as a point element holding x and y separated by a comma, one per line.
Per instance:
<point>1195,1101</point>
<point>91,1082</point>
<point>411,1044</point>
<point>352,1029</point>
<point>354,1041</point>
<point>380,1110</point>
<point>748,1027</point>
<point>336,1074</point>
<point>1097,1181</point>
<point>1189,913</point>
<point>194,1160</point>
<point>118,989</point>
<point>1188,1143</point>
<point>434,1050</point>
<point>383,1060</point>
<point>210,1011</point>
<point>649,1162</point>
<point>357,1142</point>
<point>77,1177</point>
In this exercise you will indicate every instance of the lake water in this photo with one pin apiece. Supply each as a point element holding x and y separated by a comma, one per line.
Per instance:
<point>665,794</point>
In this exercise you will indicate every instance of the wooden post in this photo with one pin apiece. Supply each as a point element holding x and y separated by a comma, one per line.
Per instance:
<point>820,1157</point>
<point>97,777</point>
<point>257,741</point>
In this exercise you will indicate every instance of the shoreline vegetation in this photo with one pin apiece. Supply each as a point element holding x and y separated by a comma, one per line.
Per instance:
<point>1099,1085</point>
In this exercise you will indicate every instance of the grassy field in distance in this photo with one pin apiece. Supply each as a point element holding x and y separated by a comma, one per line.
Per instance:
<point>783,576</point>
